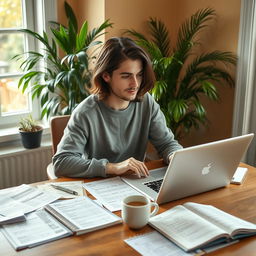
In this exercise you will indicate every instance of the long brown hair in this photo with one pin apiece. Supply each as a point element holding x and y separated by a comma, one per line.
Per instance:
<point>114,52</point>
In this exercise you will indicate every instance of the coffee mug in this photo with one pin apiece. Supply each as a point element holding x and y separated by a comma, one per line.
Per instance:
<point>136,211</point>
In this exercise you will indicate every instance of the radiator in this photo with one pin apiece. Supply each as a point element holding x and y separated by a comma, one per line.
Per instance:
<point>26,166</point>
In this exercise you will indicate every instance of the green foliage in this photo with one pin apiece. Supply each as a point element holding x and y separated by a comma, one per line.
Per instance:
<point>181,76</point>
<point>28,124</point>
<point>62,83</point>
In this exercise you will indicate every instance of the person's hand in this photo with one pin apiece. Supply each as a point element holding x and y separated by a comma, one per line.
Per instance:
<point>131,164</point>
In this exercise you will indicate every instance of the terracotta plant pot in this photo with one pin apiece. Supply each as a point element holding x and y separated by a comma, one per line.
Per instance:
<point>31,139</point>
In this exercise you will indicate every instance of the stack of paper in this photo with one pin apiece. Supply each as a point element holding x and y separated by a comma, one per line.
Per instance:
<point>40,227</point>
<point>17,201</point>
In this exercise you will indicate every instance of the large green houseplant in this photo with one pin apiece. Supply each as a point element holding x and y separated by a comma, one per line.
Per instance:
<point>61,84</point>
<point>181,75</point>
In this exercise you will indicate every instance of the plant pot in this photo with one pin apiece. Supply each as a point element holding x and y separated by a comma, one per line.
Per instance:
<point>31,139</point>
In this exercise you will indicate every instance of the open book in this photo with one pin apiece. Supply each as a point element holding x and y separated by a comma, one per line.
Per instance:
<point>192,226</point>
<point>82,215</point>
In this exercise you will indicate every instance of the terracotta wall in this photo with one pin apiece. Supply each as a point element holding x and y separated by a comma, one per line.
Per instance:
<point>91,10</point>
<point>221,35</point>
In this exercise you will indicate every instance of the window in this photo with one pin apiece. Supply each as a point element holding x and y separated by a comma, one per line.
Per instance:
<point>12,18</point>
<point>244,119</point>
<point>14,15</point>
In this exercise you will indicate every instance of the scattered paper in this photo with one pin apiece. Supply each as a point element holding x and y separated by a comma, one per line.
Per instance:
<point>73,185</point>
<point>21,200</point>
<point>110,192</point>
<point>40,227</point>
<point>154,244</point>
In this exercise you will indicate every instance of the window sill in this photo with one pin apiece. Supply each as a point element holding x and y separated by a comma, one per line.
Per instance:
<point>11,137</point>
<point>6,150</point>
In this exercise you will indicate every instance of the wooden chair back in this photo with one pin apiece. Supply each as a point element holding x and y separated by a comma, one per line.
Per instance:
<point>57,124</point>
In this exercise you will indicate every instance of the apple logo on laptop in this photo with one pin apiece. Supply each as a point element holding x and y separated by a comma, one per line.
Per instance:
<point>206,169</point>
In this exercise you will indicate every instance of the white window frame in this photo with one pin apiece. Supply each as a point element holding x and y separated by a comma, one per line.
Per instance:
<point>37,15</point>
<point>244,117</point>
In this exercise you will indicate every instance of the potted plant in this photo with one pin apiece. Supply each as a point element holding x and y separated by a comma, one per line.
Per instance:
<point>181,75</point>
<point>63,81</point>
<point>31,132</point>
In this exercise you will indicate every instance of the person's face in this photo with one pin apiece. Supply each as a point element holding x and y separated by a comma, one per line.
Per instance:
<point>124,82</point>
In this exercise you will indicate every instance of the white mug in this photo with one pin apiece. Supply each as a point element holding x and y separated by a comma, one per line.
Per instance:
<point>136,211</point>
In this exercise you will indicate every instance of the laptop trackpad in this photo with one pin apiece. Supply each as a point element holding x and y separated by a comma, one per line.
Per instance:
<point>158,173</point>
<point>153,174</point>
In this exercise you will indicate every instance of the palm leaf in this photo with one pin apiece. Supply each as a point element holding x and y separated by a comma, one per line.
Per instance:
<point>96,32</point>
<point>71,16</point>
<point>138,36</point>
<point>160,35</point>
<point>189,30</point>
<point>81,37</point>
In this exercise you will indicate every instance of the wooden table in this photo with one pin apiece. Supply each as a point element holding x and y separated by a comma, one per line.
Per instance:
<point>239,200</point>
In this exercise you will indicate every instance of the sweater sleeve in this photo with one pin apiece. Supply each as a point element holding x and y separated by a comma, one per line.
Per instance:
<point>70,159</point>
<point>160,135</point>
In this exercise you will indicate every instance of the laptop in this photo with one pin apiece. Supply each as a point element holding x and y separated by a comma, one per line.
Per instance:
<point>193,170</point>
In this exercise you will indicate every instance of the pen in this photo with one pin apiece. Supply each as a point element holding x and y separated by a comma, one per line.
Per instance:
<point>65,189</point>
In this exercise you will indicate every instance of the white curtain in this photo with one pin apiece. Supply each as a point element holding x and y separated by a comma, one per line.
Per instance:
<point>244,120</point>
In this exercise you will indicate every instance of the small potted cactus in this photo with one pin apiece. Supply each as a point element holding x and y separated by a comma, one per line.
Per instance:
<point>31,132</point>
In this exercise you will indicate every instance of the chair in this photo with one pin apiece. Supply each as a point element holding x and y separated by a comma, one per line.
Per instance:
<point>57,126</point>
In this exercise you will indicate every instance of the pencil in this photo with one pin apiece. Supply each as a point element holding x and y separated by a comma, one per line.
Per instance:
<point>64,189</point>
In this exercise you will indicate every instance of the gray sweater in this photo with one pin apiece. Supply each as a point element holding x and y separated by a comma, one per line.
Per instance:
<point>97,134</point>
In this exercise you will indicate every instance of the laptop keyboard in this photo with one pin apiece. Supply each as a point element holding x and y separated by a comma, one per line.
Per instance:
<point>155,185</point>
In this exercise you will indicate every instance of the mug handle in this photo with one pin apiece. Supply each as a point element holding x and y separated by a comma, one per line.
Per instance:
<point>156,208</point>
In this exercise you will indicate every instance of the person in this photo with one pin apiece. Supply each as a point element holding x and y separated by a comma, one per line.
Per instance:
<point>108,132</point>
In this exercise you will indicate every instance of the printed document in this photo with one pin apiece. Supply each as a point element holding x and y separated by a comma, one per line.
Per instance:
<point>40,227</point>
<point>154,244</point>
<point>82,215</point>
<point>23,199</point>
<point>72,185</point>
<point>110,192</point>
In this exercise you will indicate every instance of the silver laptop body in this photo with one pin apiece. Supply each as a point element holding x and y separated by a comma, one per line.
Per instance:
<point>194,170</point>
